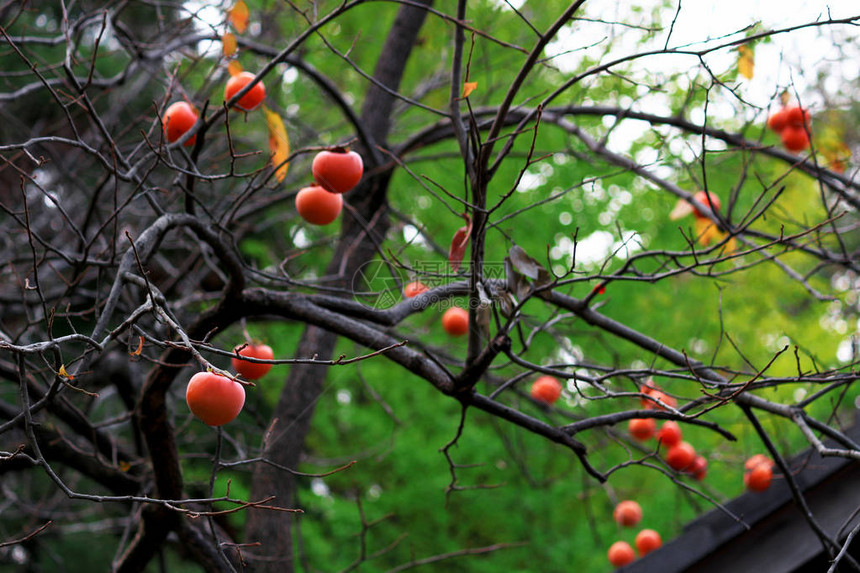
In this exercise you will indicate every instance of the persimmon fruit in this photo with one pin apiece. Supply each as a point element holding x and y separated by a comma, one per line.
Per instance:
<point>647,541</point>
<point>251,100</point>
<point>455,321</point>
<point>778,120</point>
<point>253,370</point>
<point>179,117</point>
<point>215,399</point>
<point>414,288</point>
<point>620,553</point>
<point>758,479</point>
<point>794,138</point>
<point>796,116</point>
<point>317,206</point>
<point>680,456</point>
<point>792,124</point>
<point>648,388</point>
<point>789,116</point>
<point>337,171</point>
<point>546,389</point>
<point>703,197</point>
<point>699,468</point>
<point>758,473</point>
<point>756,460</point>
<point>642,428</point>
<point>627,513</point>
<point>669,401</point>
<point>670,433</point>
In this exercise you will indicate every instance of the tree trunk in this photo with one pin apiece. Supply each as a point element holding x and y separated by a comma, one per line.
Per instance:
<point>360,233</point>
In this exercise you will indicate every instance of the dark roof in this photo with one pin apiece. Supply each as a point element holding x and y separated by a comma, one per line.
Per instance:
<point>774,536</point>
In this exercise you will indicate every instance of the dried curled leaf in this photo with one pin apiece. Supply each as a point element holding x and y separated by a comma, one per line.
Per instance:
<point>458,248</point>
<point>279,143</point>
<point>507,303</point>
<point>458,245</point>
<point>526,266</point>
<point>517,284</point>
<point>468,88</point>
<point>139,347</point>
<point>524,263</point>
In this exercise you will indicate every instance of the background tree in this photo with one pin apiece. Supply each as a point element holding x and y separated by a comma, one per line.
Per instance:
<point>539,165</point>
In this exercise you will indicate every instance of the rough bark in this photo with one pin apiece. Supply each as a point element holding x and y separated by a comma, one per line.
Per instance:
<point>363,227</point>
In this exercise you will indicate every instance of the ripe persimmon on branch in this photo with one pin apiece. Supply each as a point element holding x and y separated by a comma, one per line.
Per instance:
<point>424,247</point>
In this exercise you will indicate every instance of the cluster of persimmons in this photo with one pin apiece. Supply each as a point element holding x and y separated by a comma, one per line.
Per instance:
<point>335,171</point>
<point>792,125</point>
<point>215,398</point>
<point>678,454</point>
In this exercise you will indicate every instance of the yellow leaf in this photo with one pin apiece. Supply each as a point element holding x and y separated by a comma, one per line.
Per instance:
<point>830,141</point>
<point>746,61</point>
<point>469,87</point>
<point>238,16</point>
<point>731,247</point>
<point>707,232</point>
<point>234,68</point>
<point>229,44</point>
<point>64,373</point>
<point>279,143</point>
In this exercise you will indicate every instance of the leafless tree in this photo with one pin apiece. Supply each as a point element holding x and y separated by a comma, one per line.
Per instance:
<point>123,267</point>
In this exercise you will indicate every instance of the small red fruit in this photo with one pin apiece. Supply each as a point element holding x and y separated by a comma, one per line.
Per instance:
<point>642,428</point>
<point>317,206</point>
<point>647,541</point>
<point>680,456</point>
<point>758,479</point>
<point>214,399</point>
<point>414,288</point>
<point>620,554</point>
<point>758,473</point>
<point>794,138</point>
<point>778,120</point>
<point>669,401</point>
<point>699,468</point>
<point>796,116</point>
<point>179,117</point>
<point>669,434</point>
<point>455,321</point>
<point>757,460</point>
<point>251,100</point>
<point>702,197</point>
<point>253,370</point>
<point>627,513</point>
<point>337,171</point>
<point>648,388</point>
<point>546,389</point>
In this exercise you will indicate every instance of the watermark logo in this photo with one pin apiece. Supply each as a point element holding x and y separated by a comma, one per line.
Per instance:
<point>379,284</point>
